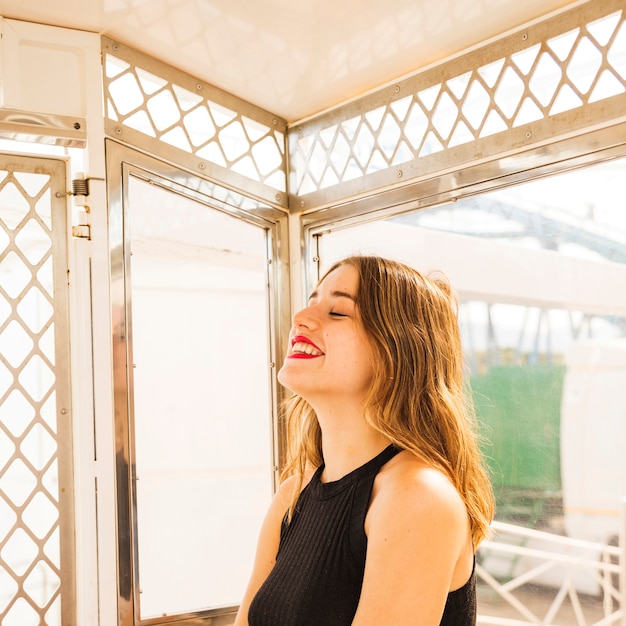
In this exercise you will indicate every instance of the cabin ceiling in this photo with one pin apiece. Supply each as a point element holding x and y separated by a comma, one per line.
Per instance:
<point>294,58</point>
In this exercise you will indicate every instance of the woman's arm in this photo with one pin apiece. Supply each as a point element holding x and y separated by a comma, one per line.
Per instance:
<point>267,547</point>
<point>419,547</point>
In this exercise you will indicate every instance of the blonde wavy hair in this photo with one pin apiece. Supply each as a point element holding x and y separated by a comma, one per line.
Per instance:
<point>418,398</point>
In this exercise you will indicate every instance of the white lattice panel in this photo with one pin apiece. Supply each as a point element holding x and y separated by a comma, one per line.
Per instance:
<point>30,574</point>
<point>155,106</point>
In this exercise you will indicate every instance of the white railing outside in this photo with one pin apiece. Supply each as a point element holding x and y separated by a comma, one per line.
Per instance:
<point>571,571</point>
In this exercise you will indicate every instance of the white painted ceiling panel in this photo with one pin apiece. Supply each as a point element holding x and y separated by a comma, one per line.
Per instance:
<point>294,58</point>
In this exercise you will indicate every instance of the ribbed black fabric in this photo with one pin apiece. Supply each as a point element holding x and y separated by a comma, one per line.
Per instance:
<point>461,605</point>
<point>318,574</point>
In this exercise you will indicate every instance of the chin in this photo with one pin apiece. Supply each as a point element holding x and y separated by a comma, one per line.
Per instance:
<point>284,378</point>
<point>290,381</point>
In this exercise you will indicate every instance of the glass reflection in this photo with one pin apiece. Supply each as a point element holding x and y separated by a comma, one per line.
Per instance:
<point>202,410</point>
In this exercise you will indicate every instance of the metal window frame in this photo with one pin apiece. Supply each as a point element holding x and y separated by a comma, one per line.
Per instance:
<point>123,162</point>
<point>504,171</point>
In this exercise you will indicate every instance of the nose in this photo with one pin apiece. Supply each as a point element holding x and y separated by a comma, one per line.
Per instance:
<point>305,318</point>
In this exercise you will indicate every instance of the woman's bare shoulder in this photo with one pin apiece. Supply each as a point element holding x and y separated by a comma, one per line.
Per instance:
<point>413,486</point>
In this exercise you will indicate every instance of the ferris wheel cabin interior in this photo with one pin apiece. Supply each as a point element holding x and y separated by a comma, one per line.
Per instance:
<point>175,175</point>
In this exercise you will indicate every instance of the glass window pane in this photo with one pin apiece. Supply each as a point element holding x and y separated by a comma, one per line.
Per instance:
<point>202,408</point>
<point>540,270</point>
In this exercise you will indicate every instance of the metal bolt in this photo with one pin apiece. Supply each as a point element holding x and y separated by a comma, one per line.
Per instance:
<point>400,173</point>
<point>77,125</point>
<point>115,47</point>
<point>277,197</point>
<point>198,87</point>
<point>63,411</point>
<point>202,165</point>
<point>396,89</point>
<point>528,134</point>
<point>118,131</point>
<point>275,122</point>
<point>524,36</point>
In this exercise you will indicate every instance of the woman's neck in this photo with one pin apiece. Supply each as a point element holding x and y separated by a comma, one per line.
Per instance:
<point>348,442</point>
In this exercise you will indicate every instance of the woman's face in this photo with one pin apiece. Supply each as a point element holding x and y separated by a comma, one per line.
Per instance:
<point>329,351</point>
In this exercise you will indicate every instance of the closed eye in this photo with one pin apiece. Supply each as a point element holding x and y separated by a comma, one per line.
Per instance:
<point>337,314</point>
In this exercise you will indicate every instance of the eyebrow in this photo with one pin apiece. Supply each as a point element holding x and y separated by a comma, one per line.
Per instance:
<point>336,294</point>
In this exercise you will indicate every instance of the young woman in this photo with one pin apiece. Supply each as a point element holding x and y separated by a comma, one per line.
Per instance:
<point>386,497</point>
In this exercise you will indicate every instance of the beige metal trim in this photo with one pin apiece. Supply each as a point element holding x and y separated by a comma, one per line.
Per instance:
<point>479,177</point>
<point>56,130</point>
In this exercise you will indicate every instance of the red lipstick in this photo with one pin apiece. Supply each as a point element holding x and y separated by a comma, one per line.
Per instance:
<point>296,339</point>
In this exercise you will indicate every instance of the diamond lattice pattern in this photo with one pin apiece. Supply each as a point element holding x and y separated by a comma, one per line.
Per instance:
<point>29,503</point>
<point>187,120</point>
<point>575,68</point>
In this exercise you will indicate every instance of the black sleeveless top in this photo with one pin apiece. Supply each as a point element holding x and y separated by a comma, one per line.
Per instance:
<point>319,568</point>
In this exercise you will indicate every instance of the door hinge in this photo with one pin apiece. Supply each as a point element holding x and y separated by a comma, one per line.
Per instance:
<point>82,231</point>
